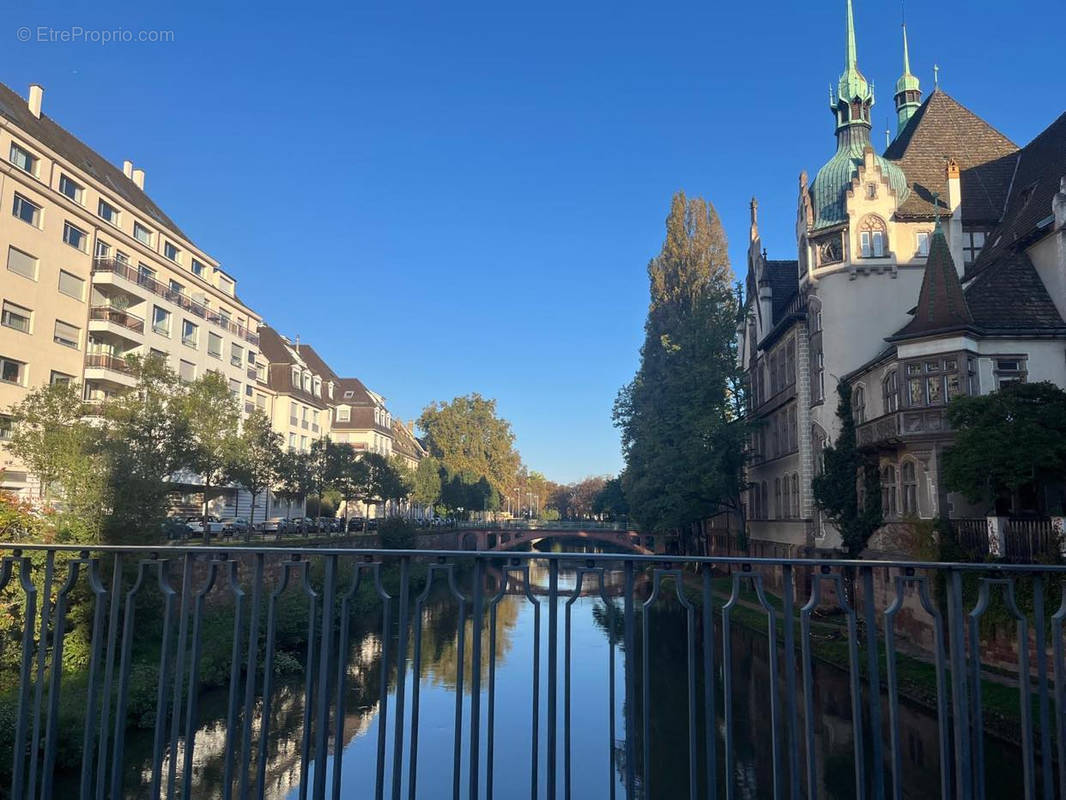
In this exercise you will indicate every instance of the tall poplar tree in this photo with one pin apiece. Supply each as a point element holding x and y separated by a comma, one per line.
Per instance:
<point>682,433</point>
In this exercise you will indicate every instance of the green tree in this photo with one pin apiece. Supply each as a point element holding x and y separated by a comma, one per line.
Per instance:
<point>611,500</point>
<point>293,477</point>
<point>426,483</point>
<point>213,419</point>
<point>254,458</point>
<point>322,460</point>
<point>682,433</point>
<point>401,480</point>
<point>466,435</point>
<point>380,479</point>
<point>50,435</point>
<point>848,490</point>
<point>146,443</point>
<point>350,477</point>
<point>1008,440</point>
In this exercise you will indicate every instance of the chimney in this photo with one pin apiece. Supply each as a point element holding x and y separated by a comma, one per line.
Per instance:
<point>411,426</point>
<point>35,99</point>
<point>127,168</point>
<point>138,178</point>
<point>954,223</point>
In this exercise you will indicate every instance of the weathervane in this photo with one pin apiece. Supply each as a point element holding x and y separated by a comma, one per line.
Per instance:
<point>936,75</point>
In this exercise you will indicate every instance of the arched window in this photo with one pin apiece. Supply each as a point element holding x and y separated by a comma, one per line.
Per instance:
<point>787,507</point>
<point>795,495</point>
<point>858,405</point>
<point>910,488</point>
<point>888,490</point>
<point>754,512</point>
<point>873,237</point>
<point>890,391</point>
<point>777,498</point>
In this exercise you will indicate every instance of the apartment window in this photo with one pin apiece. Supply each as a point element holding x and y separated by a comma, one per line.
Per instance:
<point>858,405</point>
<point>754,511</point>
<point>317,386</point>
<point>107,212</point>
<point>12,371</point>
<point>188,333</point>
<point>235,387</point>
<point>187,371</point>
<point>171,252</point>
<point>786,507</point>
<point>923,243</point>
<point>5,428</point>
<point>248,390</point>
<point>197,268</point>
<point>226,285</point>
<point>161,321</point>
<point>24,159</point>
<point>292,441</point>
<point>260,401</point>
<point>75,191</point>
<point>344,414</point>
<point>791,356</point>
<point>973,382</point>
<point>777,498</point>
<point>329,387</point>
<point>795,496</point>
<point>236,355</point>
<point>60,378</point>
<point>307,382</point>
<point>16,317</point>
<point>26,210</point>
<point>888,490</point>
<point>223,317</point>
<point>176,287</point>
<point>251,357</point>
<point>793,432</point>
<point>294,414</point>
<point>890,392</point>
<point>303,442</point>
<point>142,234</point>
<point>872,237</point>
<point>933,381</point>
<point>214,345</point>
<point>973,241</point>
<point>121,257</point>
<point>103,249</point>
<point>21,263</point>
<point>66,334</point>
<point>75,236</point>
<point>910,488</point>
<point>296,377</point>
<point>1009,370</point>
<point>71,285</point>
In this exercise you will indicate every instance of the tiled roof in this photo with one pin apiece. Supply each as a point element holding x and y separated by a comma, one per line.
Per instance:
<point>68,147</point>
<point>941,129</point>
<point>280,357</point>
<point>1041,166</point>
<point>784,284</point>
<point>316,362</point>
<point>1009,295</point>
<point>359,394</point>
<point>941,303</point>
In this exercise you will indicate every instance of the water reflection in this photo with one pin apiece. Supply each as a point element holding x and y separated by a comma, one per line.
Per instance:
<point>600,693</point>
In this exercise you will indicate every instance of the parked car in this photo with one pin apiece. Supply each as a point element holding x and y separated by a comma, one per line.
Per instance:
<point>355,524</point>
<point>176,528</point>
<point>311,524</point>
<point>372,524</point>
<point>274,525</point>
<point>235,525</point>
<point>196,525</point>
<point>297,525</point>
<point>328,524</point>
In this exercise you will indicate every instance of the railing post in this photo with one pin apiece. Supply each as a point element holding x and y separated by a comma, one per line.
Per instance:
<point>960,707</point>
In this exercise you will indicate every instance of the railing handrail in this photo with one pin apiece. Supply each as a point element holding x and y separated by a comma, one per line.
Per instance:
<point>107,361</point>
<point>118,316</point>
<point>362,552</point>
<point>132,274</point>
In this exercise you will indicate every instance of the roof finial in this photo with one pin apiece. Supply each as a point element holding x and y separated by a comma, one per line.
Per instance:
<point>906,52</point>
<point>936,75</point>
<point>908,89</point>
<point>852,55</point>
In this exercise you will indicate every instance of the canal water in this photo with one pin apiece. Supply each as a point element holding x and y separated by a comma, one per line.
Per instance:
<point>591,714</point>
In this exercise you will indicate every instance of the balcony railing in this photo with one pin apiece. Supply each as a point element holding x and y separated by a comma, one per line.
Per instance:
<point>106,361</point>
<point>251,672</point>
<point>133,275</point>
<point>118,317</point>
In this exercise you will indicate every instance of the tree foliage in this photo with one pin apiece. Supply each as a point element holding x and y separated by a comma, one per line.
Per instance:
<point>212,416</point>
<point>254,457</point>
<point>426,484</point>
<point>848,491</point>
<point>682,431</point>
<point>467,436</point>
<point>1007,440</point>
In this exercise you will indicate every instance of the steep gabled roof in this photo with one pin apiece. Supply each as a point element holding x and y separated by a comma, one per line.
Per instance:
<point>784,284</point>
<point>1041,166</point>
<point>69,147</point>
<point>1010,296</point>
<point>316,362</point>
<point>941,129</point>
<point>941,302</point>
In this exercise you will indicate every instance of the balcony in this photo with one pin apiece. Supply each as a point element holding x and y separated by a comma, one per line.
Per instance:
<point>110,266</point>
<point>114,320</point>
<point>107,368</point>
<point>899,426</point>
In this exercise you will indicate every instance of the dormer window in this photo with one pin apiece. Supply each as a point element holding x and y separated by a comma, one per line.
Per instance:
<point>344,414</point>
<point>296,377</point>
<point>307,381</point>
<point>349,393</point>
<point>317,383</point>
<point>329,388</point>
<point>873,238</point>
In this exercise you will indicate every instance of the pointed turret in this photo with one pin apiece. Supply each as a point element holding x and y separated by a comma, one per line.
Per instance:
<point>941,303</point>
<point>855,95</point>
<point>908,90</point>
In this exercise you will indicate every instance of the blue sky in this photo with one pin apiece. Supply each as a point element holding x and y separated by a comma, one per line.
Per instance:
<point>455,197</point>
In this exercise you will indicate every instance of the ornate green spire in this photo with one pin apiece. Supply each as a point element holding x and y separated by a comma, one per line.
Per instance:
<point>855,95</point>
<point>908,90</point>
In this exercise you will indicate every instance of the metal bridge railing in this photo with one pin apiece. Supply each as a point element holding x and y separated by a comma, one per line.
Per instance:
<point>206,672</point>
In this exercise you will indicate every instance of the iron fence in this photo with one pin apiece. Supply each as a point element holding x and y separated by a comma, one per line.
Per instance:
<point>201,672</point>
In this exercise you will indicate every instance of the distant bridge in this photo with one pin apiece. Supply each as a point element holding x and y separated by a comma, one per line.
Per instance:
<point>497,539</point>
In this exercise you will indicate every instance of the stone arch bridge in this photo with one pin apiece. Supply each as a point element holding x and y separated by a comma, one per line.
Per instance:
<point>504,539</point>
